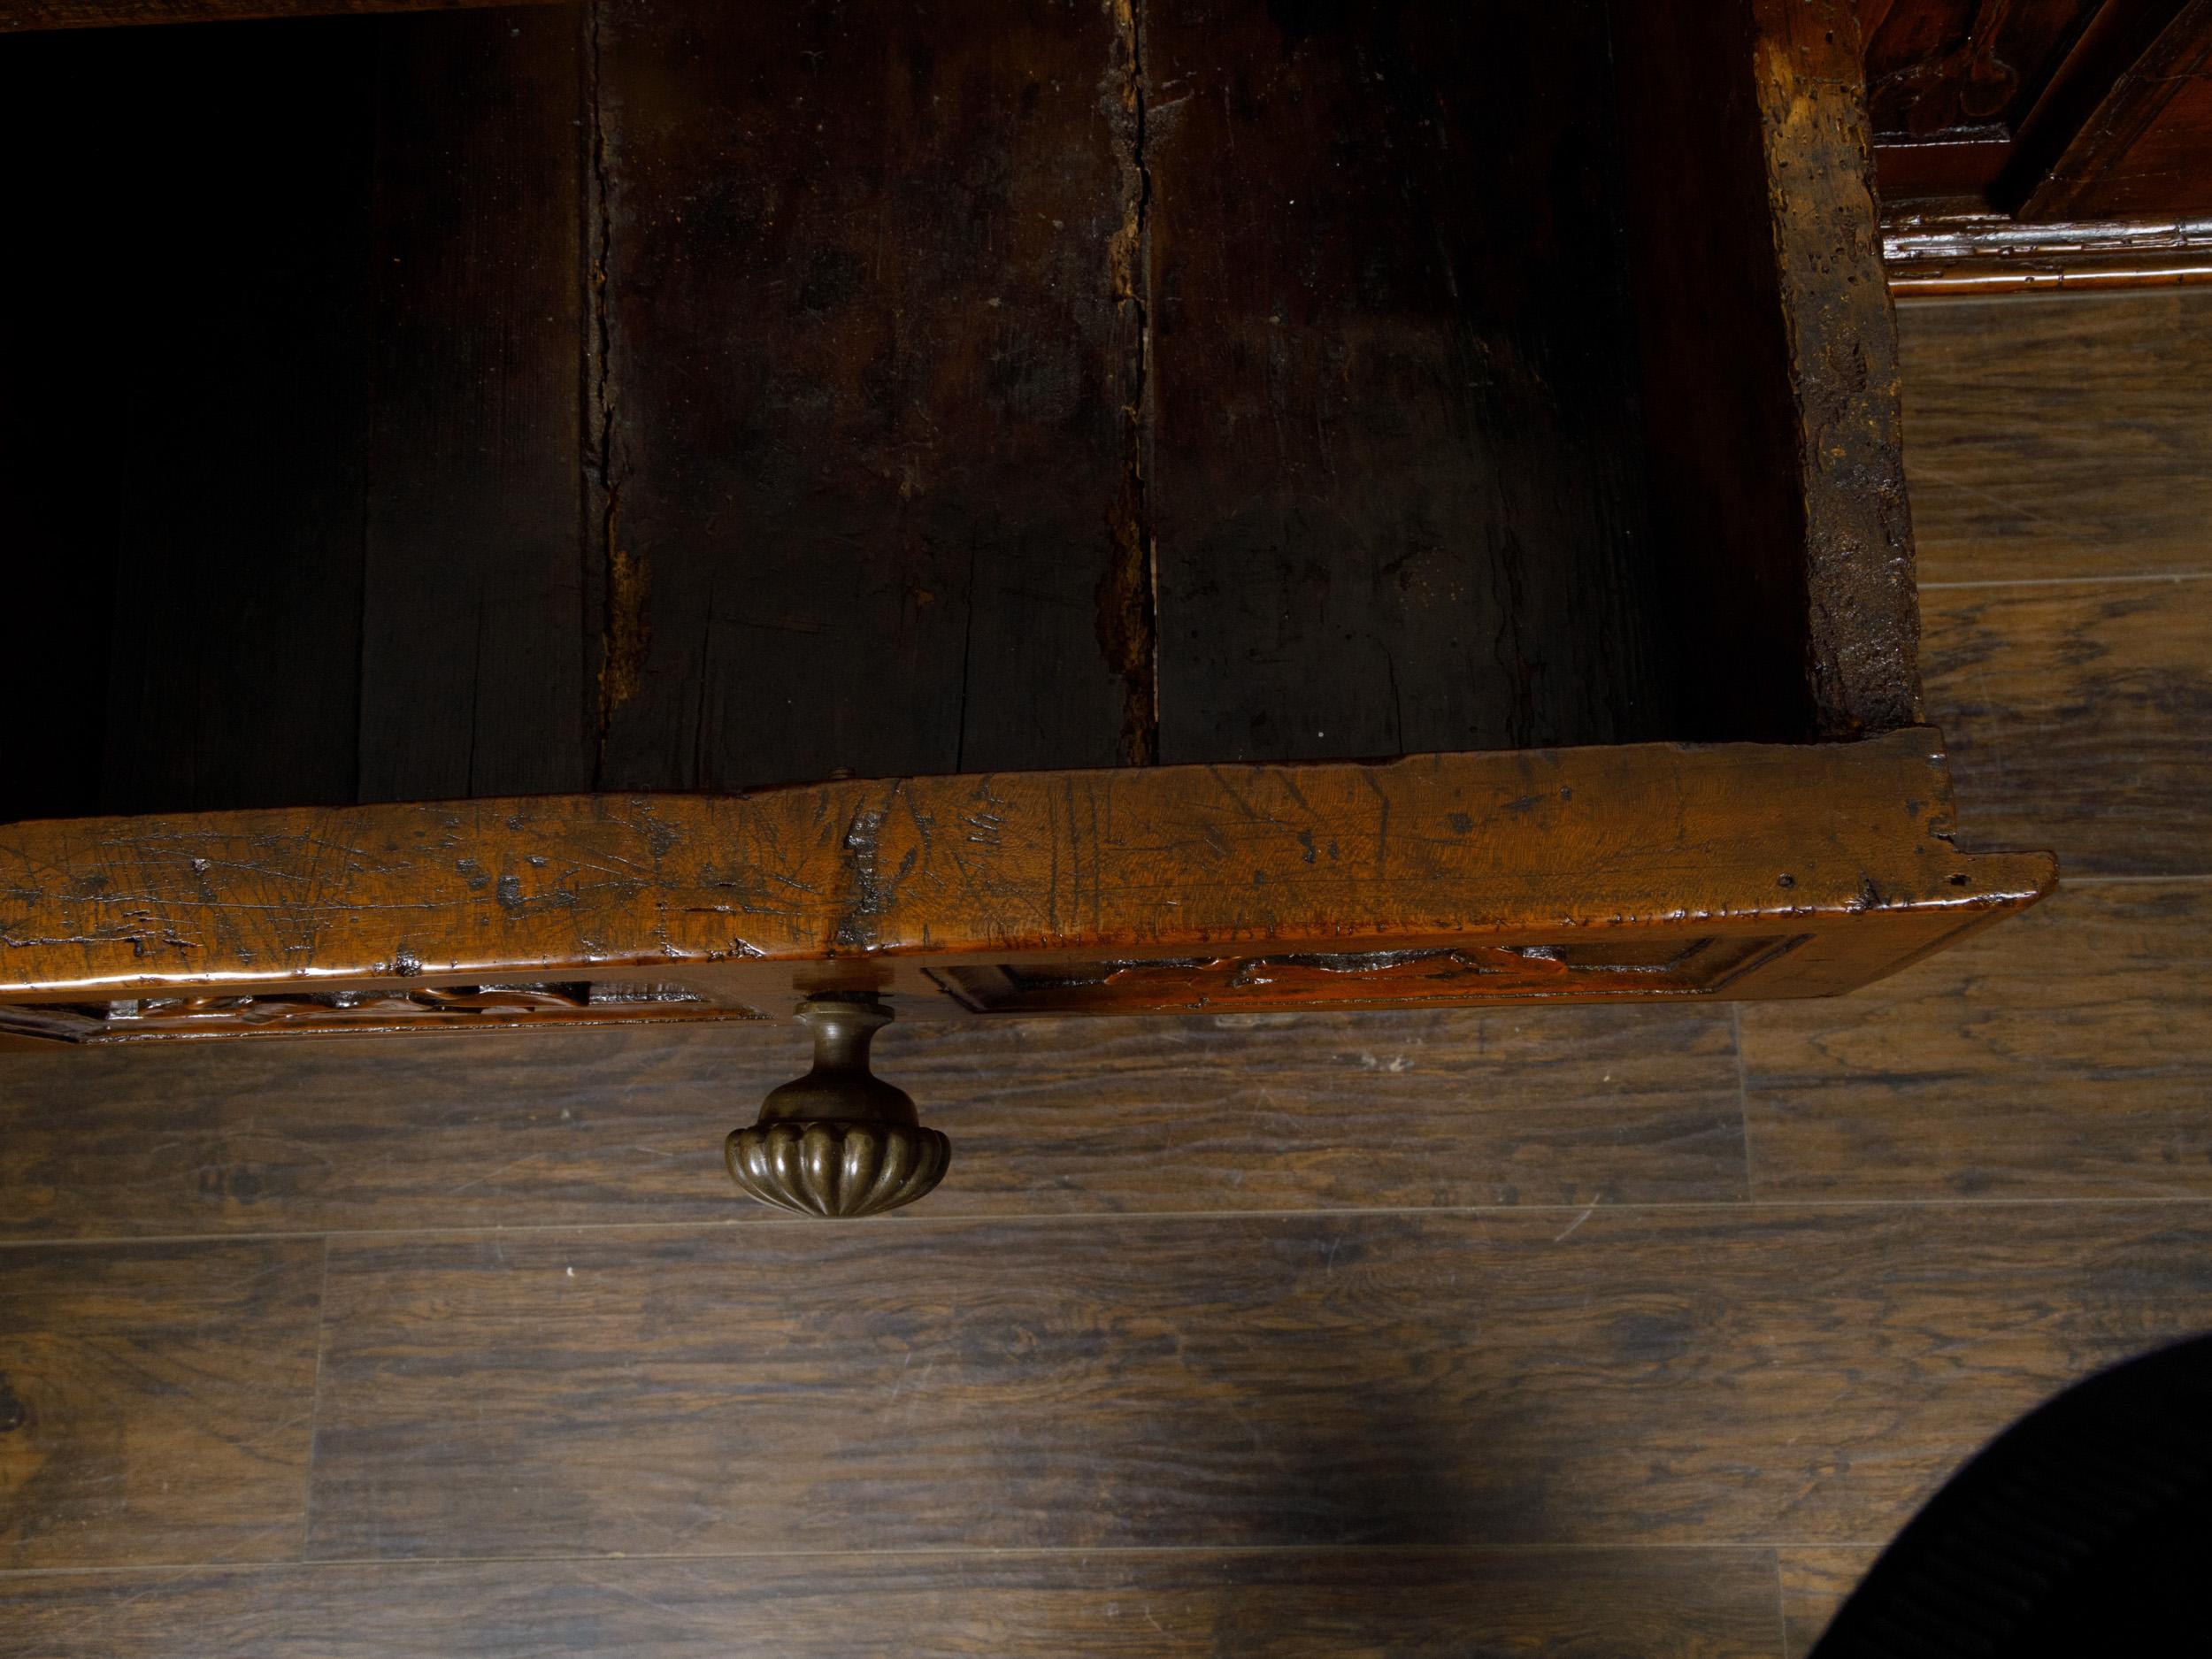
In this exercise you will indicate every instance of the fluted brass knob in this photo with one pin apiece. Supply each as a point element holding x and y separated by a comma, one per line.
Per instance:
<point>839,1142</point>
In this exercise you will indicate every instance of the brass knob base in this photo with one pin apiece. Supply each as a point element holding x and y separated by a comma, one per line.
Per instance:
<point>836,1169</point>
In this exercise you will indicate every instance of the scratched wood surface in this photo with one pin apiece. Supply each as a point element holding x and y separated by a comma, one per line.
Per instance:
<point>1832,866</point>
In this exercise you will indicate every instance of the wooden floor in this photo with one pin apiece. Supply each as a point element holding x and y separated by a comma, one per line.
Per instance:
<point>1590,1331</point>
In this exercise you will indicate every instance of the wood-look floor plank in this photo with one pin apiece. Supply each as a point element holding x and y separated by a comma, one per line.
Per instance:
<point>155,1402</point>
<point>2079,718</point>
<point>2060,437</point>
<point>1683,1376</point>
<point>1554,1106</point>
<point>1815,1584</point>
<point>1474,1604</point>
<point>2065,1054</point>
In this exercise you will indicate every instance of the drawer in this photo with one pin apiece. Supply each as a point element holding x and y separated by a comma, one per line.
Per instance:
<point>651,512</point>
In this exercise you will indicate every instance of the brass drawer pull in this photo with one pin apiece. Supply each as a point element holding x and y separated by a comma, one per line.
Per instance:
<point>839,1142</point>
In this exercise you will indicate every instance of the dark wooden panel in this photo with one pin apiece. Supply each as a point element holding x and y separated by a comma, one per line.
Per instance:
<point>2142,151</point>
<point>1764,330</point>
<point>2080,714</point>
<point>154,1401</point>
<point>1427,1604</point>
<point>1398,485</point>
<point>1685,1375</point>
<point>473,650</point>
<point>862,376</point>
<point>1816,1583</point>
<point>2060,437</point>
<point>1961,69</point>
<point>240,426</point>
<point>1050,1117</point>
<point>2068,1057</point>
<point>76,14</point>
<point>57,452</point>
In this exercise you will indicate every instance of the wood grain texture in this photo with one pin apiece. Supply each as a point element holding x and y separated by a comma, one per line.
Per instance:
<point>2141,150</point>
<point>1398,478</point>
<point>2082,715</point>
<point>2064,1057</point>
<point>241,427</point>
<point>1048,1118</point>
<point>1421,1604</point>
<point>1843,850</point>
<point>473,649</point>
<point>1781,527</point>
<point>2064,437</point>
<point>1816,1583</point>
<point>859,380</point>
<point>1862,633</point>
<point>1677,1375</point>
<point>83,14</point>
<point>155,1402</point>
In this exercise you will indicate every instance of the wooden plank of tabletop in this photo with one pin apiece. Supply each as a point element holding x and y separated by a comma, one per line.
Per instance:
<point>155,1402</point>
<point>1047,1117</point>
<point>2067,1055</point>
<point>1148,1604</point>
<point>1697,1375</point>
<point>2079,716</point>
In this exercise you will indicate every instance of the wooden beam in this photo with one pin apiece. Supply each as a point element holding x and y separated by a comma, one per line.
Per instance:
<point>1513,867</point>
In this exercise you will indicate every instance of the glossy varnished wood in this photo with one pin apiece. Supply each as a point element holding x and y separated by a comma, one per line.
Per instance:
<point>155,1402</point>
<point>1416,1604</point>
<point>1744,1375</point>
<point>1838,855</point>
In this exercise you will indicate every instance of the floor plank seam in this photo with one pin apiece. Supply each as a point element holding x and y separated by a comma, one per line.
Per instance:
<point>611,1229</point>
<point>1043,1552</point>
